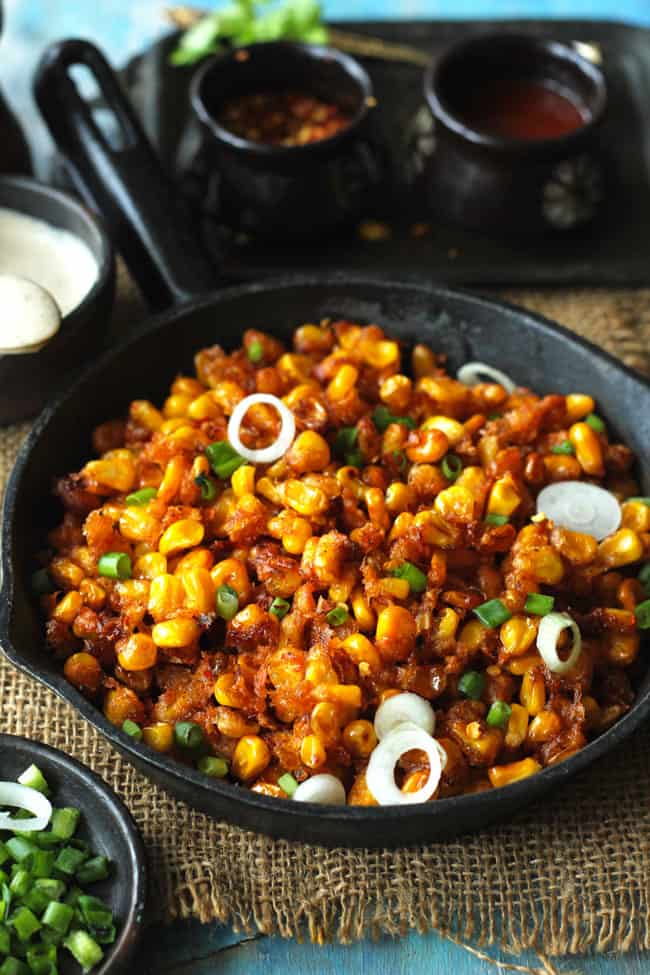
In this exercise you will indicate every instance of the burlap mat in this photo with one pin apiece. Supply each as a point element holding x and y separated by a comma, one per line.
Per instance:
<point>571,875</point>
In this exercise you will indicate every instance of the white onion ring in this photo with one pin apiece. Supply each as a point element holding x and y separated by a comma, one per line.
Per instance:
<point>323,788</point>
<point>473,373</point>
<point>550,627</point>
<point>266,455</point>
<point>580,507</point>
<point>404,708</point>
<point>22,797</point>
<point>380,773</point>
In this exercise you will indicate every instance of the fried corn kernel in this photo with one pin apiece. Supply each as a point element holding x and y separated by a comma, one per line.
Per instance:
<point>84,671</point>
<point>92,593</point>
<point>399,497</point>
<point>325,722</point>
<point>166,596</point>
<point>305,499</point>
<point>545,726</point>
<point>518,634</point>
<point>115,472</point>
<point>504,497</point>
<point>360,649</point>
<point>452,429</point>
<point>69,607</point>
<point>395,633</point>
<point>136,652</point>
<point>308,452</point>
<point>589,452</point>
<point>233,573</point>
<point>182,534</point>
<point>343,382</point>
<point>199,589</point>
<point>159,736</point>
<point>359,738</point>
<point>197,558</point>
<point>517,726</point>
<point>312,752</point>
<point>426,446</point>
<point>146,415</point>
<point>533,692</point>
<point>578,406</point>
<point>395,391</point>
<point>150,565</point>
<point>250,758</point>
<point>501,775</point>
<point>363,614</point>
<point>456,503</point>
<point>243,481</point>
<point>635,515</point>
<point>621,548</point>
<point>175,633</point>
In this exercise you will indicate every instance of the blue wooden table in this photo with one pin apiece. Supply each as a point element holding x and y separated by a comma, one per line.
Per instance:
<point>121,28</point>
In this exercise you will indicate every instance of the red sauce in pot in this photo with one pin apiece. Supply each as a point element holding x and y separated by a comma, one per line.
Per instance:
<point>521,109</point>
<point>282,118</point>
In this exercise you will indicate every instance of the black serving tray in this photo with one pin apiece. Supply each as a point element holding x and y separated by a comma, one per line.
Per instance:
<point>613,250</point>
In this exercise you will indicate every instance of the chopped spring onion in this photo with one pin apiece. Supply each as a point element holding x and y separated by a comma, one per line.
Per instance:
<point>346,446</point>
<point>595,422</point>
<point>323,788</point>
<point>566,447</point>
<point>97,868</point>
<point>404,708</point>
<point>380,773</point>
<point>33,778</point>
<point>279,608</point>
<point>580,507</point>
<point>416,579</point>
<point>538,605</point>
<point>288,784</point>
<point>143,496</point>
<point>133,729</point>
<point>227,602</point>
<point>207,486</point>
<point>493,613</point>
<point>84,949</point>
<point>338,615</point>
<point>115,565</point>
<point>496,520</point>
<point>471,684</point>
<point>265,455</point>
<point>548,634</point>
<point>642,613</point>
<point>212,765</point>
<point>382,418</point>
<point>25,923</point>
<point>640,500</point>
<point>42,583</point>
<point>499,714</point>
<point>65,822</point>
<point>22,797</point>
<point>451,466</point>
<point>473,373</point>
<point>224,459</point>
<point>188,734</point>
<point>255,351</point>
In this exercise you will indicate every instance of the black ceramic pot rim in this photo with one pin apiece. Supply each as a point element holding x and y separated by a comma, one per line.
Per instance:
<point>104,259</point>
<point>121,951</point>
<point>443,110</point>
<point>262,150</point>
<point>363,816</point>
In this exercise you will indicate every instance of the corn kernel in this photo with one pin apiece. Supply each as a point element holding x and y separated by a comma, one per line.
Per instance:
<point>222,690</point>
<point>84,671</point>
<point>343,382</point>
<point>363,614</point>
<point>150,565</point>
<point>359,738</point>
<point>319,670</point>
<point>304,498</point>
<point>533,692</point>
<point>621,548</point>
<point>136,652</point>
<point>379,353</point>
<point>232,572</point>
<point>547,565</point>
<point>175,633</point>
<point>166,596</point>
<point>187,386</point>
<point>501,775</point>
<point>251,756</point>
<point>92,593</point>
<point>348,695</point>
<point>199,590</point>
<point>159,736</point>
<point>146,415</point>
<point>456,502</point>
<point>517,635</point>
<point>69,607</point>
<point>395,391</point>
<point>636,515</point>
<point>578,406</point>
<point>115,471</point>
<point>171,482</point>
<point>517,726</point>
<point>198,558</point>
<point>395,633</point>
<point>243,480</point>
<point>504,497</point>
<point>428,447</point>
<point>185,533</point>
<point>312,752</point>
<point>391,588</point>
<point>139,526</point>
<point>325,721</point>
<point>204,407</point>
<point>589,452</point>
<point>520,665</point>
<point>473,634</point>
<point>452,429</point>
<point>399,497</point>
<point>544,726</point>
<point>175,406</point>
<point>308,452</point>
<point>360,649</point>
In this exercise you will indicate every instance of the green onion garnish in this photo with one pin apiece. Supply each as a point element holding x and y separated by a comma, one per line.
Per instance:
<point>227,602</point>
<point>641,500</point>
<point>416,579</point>
<point>33,778</point>
<point>255,351</point>
<point>494,416</point>
<point>566,447</point>
<point>188,734</point>
<point>499,714</point>
<point>642,613</point>
<point>97,868</point>
<point>471,684</point>
<point>69,860</point>
<point>287,783</point>
<point>58,917</point>
<point>24,923</point>
<point>115,565</point>
<point>41,583</point>
<point>493,613</point>
<point>279,608</point>
<point>451,466</point>
<point>83,949</point>
<point>223,458</point>
<point>143,496</point>
<point>345,446</point>
<point>208,487</point>
<point>538,604</point>
<point>213,766</point>
<point>400,459</point>
<point>595,422</point>
<point>133,729</point>
<point>382,418</point>
<point>65,822</point>
<point>338,615</point>
<point>496,519</point>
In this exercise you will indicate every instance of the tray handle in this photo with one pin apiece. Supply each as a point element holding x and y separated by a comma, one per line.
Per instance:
<point>123,180</point>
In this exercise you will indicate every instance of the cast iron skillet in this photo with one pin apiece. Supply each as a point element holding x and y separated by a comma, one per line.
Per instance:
<point>540,354</point>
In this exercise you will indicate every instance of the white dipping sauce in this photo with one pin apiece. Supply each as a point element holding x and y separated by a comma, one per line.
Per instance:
<point>56,259</point>
<point>30,316</point>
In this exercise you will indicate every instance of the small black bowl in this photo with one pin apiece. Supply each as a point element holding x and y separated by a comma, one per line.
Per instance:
<point>512,185</point>
<point>290,191</point>
<point>107,825</point>
<point>27,381</point>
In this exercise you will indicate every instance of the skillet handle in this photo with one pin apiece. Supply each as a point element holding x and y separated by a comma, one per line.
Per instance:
<point>124,181</point>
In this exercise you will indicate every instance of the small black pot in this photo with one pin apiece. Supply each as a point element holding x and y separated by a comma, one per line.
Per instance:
<point>28,381</point>
<point>510,185</point>
<point>290,191</point>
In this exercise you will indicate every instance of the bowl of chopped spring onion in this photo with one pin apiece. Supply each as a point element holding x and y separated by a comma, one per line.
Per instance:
<point>72,867</point>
